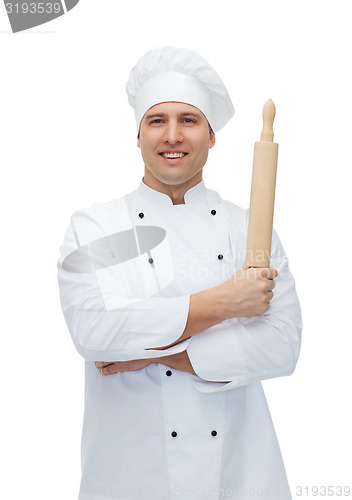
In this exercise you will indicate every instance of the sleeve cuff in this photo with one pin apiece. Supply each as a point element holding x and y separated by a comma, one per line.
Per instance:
<point>214,365</point>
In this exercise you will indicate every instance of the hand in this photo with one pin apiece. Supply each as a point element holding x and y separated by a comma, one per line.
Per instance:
<point>179,361</point>
<point>247,293</point>
<point>109,367</point>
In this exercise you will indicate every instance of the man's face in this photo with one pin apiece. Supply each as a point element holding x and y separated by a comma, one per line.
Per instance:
<point>175,139</point>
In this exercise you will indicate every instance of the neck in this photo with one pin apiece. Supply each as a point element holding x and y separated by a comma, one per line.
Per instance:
<point>175,191</point>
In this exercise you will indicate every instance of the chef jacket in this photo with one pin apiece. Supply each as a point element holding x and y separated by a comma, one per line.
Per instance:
<point>159,432</point>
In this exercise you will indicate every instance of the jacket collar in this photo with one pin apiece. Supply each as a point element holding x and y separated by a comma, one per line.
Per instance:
<point>197,195</point>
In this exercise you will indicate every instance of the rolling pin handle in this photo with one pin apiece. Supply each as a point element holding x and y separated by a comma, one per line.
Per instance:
<point>267,134</point>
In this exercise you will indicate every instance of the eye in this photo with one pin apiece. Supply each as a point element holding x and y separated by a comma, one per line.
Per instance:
<point>156,121</point>
<point>189,120</point>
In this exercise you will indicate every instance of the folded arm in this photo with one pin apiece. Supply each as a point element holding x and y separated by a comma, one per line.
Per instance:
<point>179,361</point>
<point>262,342</point>
<point>120,331</point>
<point>229,331</point>
<point>246,294</point>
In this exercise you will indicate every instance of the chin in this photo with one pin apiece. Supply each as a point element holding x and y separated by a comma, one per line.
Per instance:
<point>175,181</point>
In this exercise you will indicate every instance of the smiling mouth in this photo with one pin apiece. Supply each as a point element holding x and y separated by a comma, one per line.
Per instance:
<point>173,155</point>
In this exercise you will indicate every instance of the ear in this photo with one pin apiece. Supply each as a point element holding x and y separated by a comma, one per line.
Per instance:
<point>211,138</point>
<point>138,141</point>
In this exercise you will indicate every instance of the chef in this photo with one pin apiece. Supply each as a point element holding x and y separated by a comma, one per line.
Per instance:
<point>176,334</point>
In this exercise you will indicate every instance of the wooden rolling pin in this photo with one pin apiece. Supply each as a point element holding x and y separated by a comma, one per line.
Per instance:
<point>261,210</point>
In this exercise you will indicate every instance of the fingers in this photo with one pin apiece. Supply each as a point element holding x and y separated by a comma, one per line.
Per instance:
<point>255,273</point>
<point>105,367</point>
<point>267,275</point>
<point>268,272</point>
<point>109,368</point>
<point>270,284</point>
<point>103,364</point>
<point>260,272</point>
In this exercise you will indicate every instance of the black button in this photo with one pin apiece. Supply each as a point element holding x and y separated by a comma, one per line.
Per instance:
<point>214,433</point>
<point>220,257</point>
<point>213,212</point>
<point>150,260</point>
<point>141,215</point>
<point>173,434</point>
<point>169,373</point>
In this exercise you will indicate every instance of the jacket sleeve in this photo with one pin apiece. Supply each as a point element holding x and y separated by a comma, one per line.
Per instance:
<point>128,329</point>
<point>241,351</point>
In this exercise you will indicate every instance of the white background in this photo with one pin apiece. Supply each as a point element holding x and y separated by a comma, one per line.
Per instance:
<point>67,140</point>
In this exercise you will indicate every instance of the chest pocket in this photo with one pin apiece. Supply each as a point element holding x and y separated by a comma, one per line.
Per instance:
<point>138,265</point>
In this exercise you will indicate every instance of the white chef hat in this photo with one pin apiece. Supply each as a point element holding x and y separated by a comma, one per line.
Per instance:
<point>168,74</point>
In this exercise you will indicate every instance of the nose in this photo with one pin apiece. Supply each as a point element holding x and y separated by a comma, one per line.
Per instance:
<point>173,133</point>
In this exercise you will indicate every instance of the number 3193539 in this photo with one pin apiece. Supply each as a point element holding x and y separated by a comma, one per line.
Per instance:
<point>33,8</point>
<point>322,491</point>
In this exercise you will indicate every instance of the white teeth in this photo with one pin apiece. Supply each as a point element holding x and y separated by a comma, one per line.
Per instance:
<point>172,155</point>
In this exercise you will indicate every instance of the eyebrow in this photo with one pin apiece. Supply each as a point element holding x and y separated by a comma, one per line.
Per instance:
<point>190,114</point>
<point>156,115</point>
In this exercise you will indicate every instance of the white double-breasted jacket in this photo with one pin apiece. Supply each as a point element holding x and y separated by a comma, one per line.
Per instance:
<point>159,432</point>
